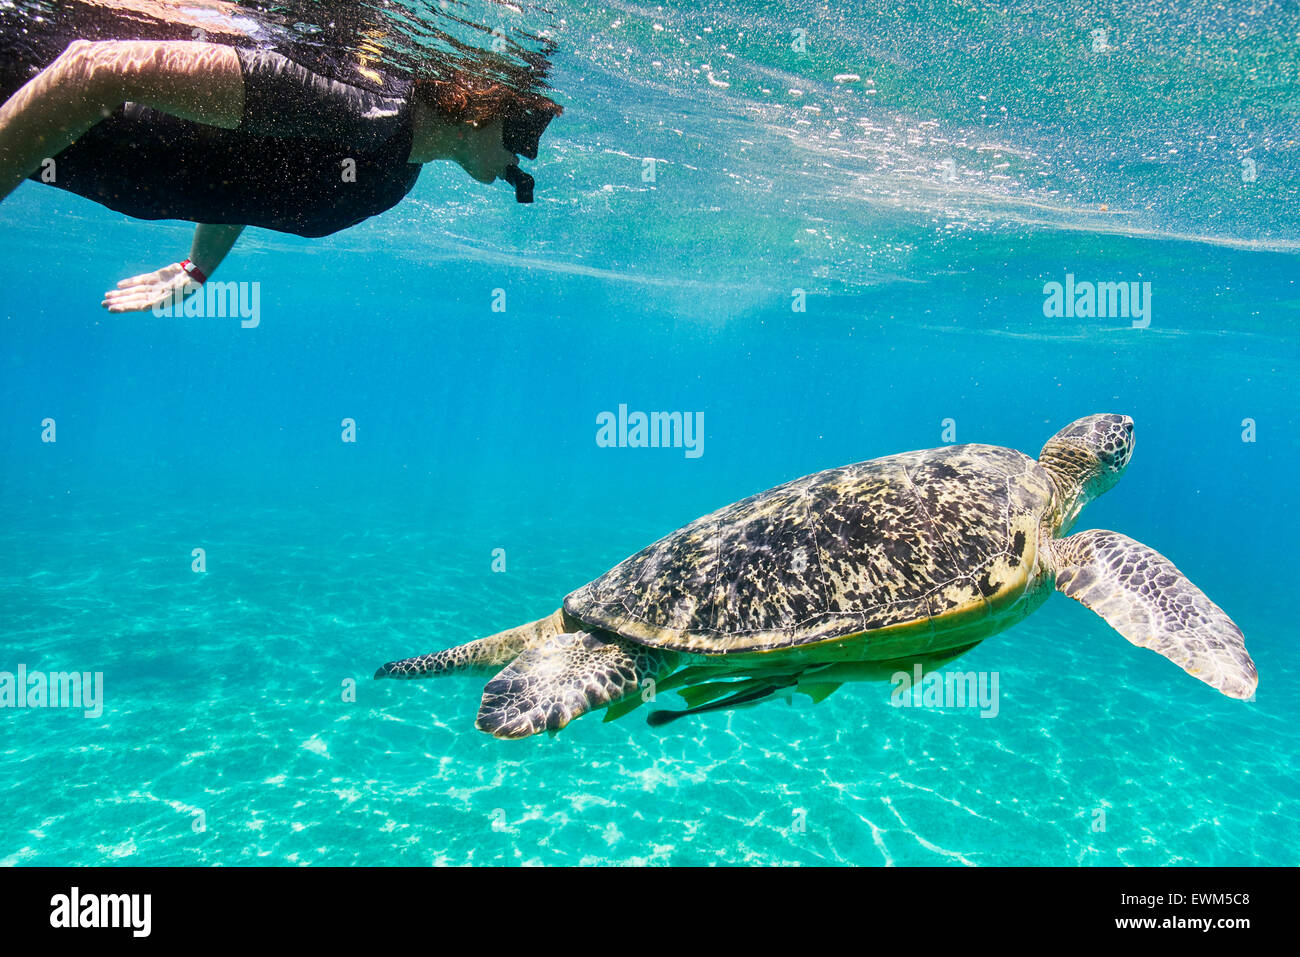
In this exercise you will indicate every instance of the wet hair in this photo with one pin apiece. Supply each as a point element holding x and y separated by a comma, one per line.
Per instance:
<point>466,99</point>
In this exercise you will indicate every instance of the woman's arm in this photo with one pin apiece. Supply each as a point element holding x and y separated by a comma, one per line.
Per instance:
<point>195,81</point>
<point>210,246</point>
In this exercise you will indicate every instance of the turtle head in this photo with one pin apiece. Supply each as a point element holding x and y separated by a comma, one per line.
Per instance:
<point>1086,459</point>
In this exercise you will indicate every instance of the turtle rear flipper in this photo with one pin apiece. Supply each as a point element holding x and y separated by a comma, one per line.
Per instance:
<point>744,694</point>
<point>1146,599</point>
<point>550,684</point>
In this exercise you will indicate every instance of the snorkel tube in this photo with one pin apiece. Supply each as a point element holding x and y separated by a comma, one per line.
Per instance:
<point>521,181</point>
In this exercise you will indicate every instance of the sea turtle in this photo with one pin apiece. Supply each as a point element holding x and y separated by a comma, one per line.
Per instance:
<point>854,573</point>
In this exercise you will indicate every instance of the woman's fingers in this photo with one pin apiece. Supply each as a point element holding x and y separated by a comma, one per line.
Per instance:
<point>139,298</point>
<point>145,290</point>
<point>130,304</point>
<point>119,297</point>
<point>115,295</point>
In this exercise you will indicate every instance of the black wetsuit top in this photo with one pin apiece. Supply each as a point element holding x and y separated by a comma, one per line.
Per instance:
<point>311,155</point>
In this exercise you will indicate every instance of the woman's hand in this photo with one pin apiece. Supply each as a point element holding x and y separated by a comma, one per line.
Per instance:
<point>210,246</point>
<point>147,290</point>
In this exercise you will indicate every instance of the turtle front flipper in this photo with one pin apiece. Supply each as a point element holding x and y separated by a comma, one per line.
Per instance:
<point>482,657</point>
<point>550,684</point>
<point>1146,599</point>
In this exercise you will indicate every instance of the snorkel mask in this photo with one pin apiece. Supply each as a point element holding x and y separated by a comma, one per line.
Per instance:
<point>520,134</point>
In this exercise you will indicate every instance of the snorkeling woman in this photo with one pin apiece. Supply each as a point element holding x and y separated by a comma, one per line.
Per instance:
<point>232,136</point>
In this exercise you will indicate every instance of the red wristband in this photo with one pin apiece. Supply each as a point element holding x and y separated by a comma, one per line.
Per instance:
<point>194,272</point>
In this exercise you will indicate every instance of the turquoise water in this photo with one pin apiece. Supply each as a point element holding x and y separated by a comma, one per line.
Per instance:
<point>226,691</point>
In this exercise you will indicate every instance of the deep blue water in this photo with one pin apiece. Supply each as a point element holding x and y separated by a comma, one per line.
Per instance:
<point>923,283</point>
